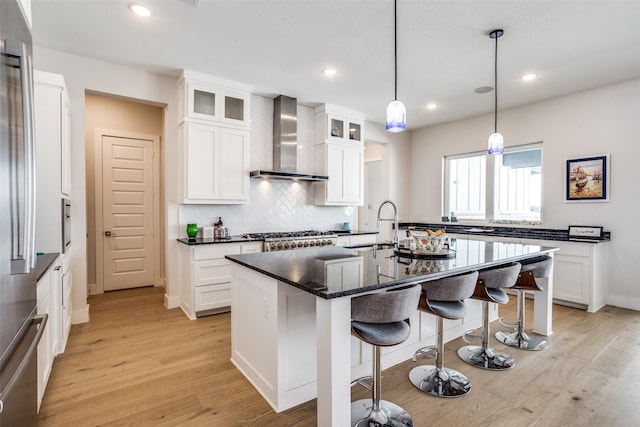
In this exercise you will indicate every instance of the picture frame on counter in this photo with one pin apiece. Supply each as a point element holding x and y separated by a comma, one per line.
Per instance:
<point>587,178</point>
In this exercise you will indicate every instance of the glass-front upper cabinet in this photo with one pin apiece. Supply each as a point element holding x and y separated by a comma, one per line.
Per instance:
<point>339,125</point>
<point>204,100</point>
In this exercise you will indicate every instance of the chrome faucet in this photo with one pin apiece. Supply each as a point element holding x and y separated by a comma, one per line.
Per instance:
<point>394,219</point>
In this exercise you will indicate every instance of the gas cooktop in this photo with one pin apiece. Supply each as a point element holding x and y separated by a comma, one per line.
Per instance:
<point>288,234</point>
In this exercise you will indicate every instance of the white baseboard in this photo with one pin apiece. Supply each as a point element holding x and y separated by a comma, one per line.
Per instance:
<point>171,302</point>
<point>80,315</point>
<point>92,289</point>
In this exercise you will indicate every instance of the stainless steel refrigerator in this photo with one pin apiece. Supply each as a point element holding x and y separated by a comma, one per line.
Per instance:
<point>20,328</point>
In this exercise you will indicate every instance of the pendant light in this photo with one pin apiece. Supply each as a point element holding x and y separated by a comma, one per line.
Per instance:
<point>496,141</point>
<point>396,113</point>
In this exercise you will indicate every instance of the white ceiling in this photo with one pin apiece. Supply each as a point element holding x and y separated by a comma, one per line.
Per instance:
<point>444,51</point>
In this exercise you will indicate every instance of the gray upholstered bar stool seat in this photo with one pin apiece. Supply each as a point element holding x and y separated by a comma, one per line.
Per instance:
<point>488,290</point>
<point>538,268</point>
<point>382,320</point>
<point>443,298</point>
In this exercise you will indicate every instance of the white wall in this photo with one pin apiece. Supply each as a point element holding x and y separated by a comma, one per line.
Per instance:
<point>604,120</point>
<point>83,74</point>
<point>395,153</point>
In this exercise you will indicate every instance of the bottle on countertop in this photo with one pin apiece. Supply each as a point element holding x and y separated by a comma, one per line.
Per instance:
<point>218,223</point>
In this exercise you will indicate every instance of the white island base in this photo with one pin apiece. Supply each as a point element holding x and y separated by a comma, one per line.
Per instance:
<point>276,343</point>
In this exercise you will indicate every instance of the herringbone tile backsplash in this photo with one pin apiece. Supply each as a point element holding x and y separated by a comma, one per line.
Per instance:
<point>274,205</point>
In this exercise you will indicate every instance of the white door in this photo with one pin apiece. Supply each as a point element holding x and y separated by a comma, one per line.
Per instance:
<point>127,212</point>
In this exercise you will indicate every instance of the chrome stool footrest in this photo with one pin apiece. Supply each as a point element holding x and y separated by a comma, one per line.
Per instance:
<point>388,414</point>
<point>430,351</point>
<point>511,325</point>
<point>443,382</point>
<point>361,381</point>
<point>486,358</point>
<point>521,340</point>
<point>470,334</point>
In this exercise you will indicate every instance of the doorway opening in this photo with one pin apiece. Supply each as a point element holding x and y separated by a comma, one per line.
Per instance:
<point>125,236</point>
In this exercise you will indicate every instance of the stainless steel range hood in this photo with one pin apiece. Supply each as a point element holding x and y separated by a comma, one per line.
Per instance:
<point>285,144</point>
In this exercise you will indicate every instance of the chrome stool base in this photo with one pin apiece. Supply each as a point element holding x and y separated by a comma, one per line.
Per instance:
<point>521,340</point>
<point>486,358</point>
<point>443,382</point>
<point>389,414</point>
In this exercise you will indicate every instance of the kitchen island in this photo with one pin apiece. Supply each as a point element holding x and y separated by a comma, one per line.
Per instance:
<point>290,315</point>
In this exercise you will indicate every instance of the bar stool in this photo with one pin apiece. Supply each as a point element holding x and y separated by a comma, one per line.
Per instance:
<point>382,320</point>
<point>488,290</point>
<point>443,298</point>
<point>538,268</point>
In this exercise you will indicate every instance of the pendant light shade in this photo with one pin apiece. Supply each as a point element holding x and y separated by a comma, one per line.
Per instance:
<point>396,112</point>
<point>396,117</point>
<point>496,141</point>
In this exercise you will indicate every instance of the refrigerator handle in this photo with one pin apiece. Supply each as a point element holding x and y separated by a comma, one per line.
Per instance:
<point>26,75</point>
<point>42,320</point>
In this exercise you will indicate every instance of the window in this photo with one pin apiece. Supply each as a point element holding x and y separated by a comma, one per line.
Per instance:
<point>503,188</point>
<point>466,186</point>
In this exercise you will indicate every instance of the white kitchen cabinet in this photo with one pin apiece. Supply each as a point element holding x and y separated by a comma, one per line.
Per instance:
<point>206,276</point>
<point>214,133</point>
<point>338,124</point>
<point>578,274</point>
<point>212,100</point>
<point>339,154</point>
<point>344,165</point>
<point>52,121</point>
<point>64,302</point>
<point>578,270</point>
<point>48,303</point>
<point>215,164</point>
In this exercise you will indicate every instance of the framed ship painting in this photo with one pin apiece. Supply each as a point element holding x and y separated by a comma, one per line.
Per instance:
<point>587,179</point>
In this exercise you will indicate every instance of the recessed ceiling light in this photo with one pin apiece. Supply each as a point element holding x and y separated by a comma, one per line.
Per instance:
<point>139,10</point>
<point>329,71</point>
<point>432,106</point>
<point>529,77</point>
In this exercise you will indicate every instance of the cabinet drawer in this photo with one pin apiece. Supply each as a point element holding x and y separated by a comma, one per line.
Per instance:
<point>211,271</point>
<point>249,248</point>
<point>215,251</point>
<point>212,297</point>
<point>574,249</point>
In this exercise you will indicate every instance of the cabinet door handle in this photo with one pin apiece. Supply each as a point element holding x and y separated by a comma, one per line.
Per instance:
<point>109,233</point>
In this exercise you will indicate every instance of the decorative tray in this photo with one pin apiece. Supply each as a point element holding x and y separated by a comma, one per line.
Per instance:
<point>443,253</point>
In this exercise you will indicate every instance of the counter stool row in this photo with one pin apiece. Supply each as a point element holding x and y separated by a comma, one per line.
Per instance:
<point>383,320</point>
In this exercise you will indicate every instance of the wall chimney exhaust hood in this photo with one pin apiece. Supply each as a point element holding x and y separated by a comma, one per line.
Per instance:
<point>285,144</point>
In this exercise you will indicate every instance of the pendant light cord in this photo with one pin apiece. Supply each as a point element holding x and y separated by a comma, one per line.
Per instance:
<point>395,47</point>
<point>495,89</point>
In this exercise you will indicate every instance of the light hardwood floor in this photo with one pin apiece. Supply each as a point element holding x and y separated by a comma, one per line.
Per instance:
<point>136,363</point>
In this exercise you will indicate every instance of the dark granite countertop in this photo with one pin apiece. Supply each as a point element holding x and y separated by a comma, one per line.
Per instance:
<point>212,241</point>
<point>353,232</point>
<point>308,269</point>
<point>44,262</point>
<point>500,231</point>
<point>235,239</point>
